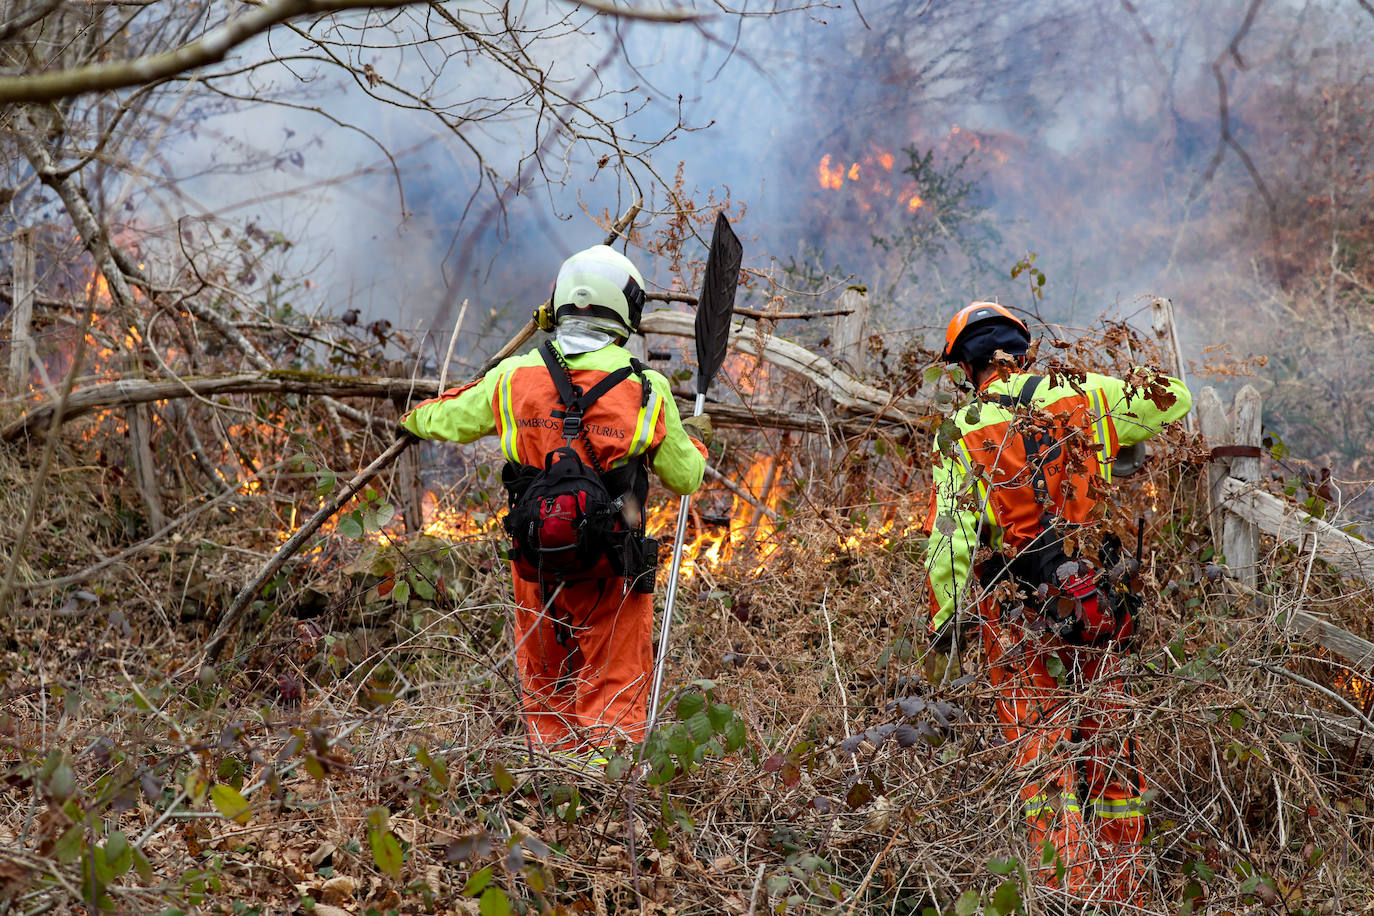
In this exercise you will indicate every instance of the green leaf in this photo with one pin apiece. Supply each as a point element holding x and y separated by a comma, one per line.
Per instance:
<point>326,482</point>
<point>229,803</point>
<point>494,902</point>
<point>680,743</point>
<point>401,593</point>
<point>967,904</point>
<point>61,780</point>
<point>477,882</point>
<point>617,767</point>
<point>379,516</point>
<point>689,704</point>
<point>350,526</point>
<point>504,781</point>
<point>1002,866</point>
<point>973,414</point>
<point>932,374</point>
<point>570,812</point>
<point>735,736</point>
<point>1056,668</point>
<point>69,845</point>
<point>1007,897</point>
<point>142,865</point>
<point>722,714</point>
<point>424,589</point>
<point>118,854</point>
<point>386,851</point>
<point>699,727</point>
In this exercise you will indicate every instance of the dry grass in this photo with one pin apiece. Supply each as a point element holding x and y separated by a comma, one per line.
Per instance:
<point>365,720</point>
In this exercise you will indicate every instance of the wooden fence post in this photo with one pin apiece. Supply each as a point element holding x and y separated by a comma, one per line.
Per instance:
<point>1216,431</point>
<point>21,312</point>
<point>1236,537</point>
<point>1166,331</point>
<point>1240,537</point>
<point>849,333</point>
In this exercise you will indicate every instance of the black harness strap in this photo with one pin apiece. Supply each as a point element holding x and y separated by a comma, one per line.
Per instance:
<point>574,398</point>
<point>1024,396</point>
<point>1034,439</point>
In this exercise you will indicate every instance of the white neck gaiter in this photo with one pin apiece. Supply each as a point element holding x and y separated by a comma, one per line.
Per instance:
<point>575,335</point>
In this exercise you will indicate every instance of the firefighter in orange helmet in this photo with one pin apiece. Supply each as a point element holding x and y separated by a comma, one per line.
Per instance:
<point>1022,473</point>
<point>584,615</point>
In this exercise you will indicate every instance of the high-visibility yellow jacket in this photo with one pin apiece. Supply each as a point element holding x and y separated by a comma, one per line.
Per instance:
<point>983,486</point>
<point>515,399</point>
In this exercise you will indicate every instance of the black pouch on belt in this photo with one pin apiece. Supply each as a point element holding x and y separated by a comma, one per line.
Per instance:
<point>641,563</point>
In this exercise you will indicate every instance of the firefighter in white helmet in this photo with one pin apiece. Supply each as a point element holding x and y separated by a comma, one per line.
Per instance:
<point>574,412</point>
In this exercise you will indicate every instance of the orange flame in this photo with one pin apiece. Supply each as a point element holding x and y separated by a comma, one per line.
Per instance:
<point>829,177</point>
<point>866,175</point>
<point>452,523</point>
<point>1356,686</point>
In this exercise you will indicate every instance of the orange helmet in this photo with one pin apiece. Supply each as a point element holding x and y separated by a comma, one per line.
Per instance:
<point>974,315</point>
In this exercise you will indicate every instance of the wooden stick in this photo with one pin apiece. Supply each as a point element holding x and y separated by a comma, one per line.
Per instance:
<point>452,339</point>
<point>215,646</point>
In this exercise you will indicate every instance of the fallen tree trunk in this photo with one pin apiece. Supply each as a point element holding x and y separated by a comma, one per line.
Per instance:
<point>131,392</point>
<point>847,391</point>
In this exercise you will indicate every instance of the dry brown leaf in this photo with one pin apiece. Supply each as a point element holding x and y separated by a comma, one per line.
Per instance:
<point>339,889</point>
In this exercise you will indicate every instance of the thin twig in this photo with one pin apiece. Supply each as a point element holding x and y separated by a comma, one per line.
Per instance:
<point>453,339</point>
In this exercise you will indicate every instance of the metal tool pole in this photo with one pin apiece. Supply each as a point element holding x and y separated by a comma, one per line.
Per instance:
<point>671,596</point>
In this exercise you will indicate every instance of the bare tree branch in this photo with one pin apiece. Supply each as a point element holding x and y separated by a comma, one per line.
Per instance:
<point>128,392</point>
<point>27,18</point>
<point>47,87</point>
<point>629,12</point>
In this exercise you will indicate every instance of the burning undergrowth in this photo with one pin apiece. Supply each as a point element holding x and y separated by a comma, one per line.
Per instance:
<point>362,750</point>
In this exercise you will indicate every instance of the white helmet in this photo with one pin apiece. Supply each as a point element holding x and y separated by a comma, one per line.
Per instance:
<point>600,286</point>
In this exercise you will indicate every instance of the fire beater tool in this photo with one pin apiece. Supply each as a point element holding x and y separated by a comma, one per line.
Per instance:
<point>715,307</point>
<point>403,441</point>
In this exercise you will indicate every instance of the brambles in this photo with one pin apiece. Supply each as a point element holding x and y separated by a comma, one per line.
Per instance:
<point>803,747</point>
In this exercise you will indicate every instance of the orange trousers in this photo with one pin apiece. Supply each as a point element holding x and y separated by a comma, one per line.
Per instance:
<point>586,662</point>
<point>1082,794</point>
